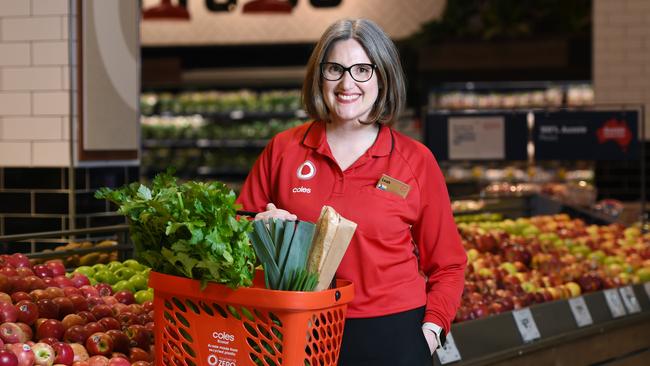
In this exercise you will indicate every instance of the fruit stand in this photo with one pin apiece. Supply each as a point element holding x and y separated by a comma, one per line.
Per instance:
<point>539,290</point>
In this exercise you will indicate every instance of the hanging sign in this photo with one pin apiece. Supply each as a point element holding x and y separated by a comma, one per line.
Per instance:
<point>476,138</point>
<point>586,135</point>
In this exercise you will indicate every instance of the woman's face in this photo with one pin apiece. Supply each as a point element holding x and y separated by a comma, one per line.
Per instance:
<point>347,99</point>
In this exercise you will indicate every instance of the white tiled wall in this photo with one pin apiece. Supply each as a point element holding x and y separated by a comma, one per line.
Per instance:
<point>621,56</point>
<point>34,85</point>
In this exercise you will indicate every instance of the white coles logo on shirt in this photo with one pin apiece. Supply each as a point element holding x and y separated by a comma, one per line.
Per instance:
<point>306,170</point>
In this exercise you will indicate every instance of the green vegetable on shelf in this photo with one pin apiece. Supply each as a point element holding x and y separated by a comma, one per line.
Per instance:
<point>187,230</point>
<point>283,247</point>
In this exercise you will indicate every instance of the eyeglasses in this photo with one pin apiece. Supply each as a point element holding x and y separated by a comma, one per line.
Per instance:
<point>360,72</point>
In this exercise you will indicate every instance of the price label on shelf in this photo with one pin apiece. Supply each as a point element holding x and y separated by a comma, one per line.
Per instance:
<point>526,324</point>
<point>647,288</point>
<point>629,299</point>
<point>615,303</point>
<point>449,352</point>
<point>580,311</point>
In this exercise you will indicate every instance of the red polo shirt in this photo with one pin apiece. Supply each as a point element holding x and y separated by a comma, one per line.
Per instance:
<point>397,239</point>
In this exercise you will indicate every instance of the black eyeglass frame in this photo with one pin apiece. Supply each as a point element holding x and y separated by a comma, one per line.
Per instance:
<point>348,69</point>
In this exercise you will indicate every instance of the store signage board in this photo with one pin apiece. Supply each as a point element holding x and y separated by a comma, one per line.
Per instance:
<point>615,303</point>
<point>580,311</point>
<point>629,299</point>
<point>586,135</point>
<point>526,324</point>
<point>449,352</point>
<point>476,138</point>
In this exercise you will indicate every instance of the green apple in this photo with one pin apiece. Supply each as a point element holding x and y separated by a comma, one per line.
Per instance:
<point>106,276</point>
<point>123,285</point>
<point>98,267</point>
<point>133,264</point>
<point>124,273</point>
<point>144,295</point>
<point>85,270</point>
<point>114,266</point>
<point>139,282</point>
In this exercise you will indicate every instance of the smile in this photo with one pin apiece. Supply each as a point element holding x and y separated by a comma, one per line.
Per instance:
<point>347,98</point>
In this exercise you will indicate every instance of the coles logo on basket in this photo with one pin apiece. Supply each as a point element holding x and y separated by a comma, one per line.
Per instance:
<point>213,360</point>
<point>301,190</point>
<point>223,337</point>
<point>306,170</point>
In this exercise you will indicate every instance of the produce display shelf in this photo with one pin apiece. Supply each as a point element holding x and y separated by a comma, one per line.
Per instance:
<point>205,143</point>
<point>497,340</point>
<point>124,248</point>
<point>240,114</point>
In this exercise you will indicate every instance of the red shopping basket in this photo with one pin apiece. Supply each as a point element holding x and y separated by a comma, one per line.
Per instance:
<point>220,326</point>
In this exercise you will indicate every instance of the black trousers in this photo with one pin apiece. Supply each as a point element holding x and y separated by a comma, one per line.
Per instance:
<point>391,340</point>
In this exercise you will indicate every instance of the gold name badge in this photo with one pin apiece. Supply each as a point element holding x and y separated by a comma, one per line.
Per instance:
<point>393,185</point>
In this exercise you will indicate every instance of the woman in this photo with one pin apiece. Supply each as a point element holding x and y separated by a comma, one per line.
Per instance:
<point>405,259</point>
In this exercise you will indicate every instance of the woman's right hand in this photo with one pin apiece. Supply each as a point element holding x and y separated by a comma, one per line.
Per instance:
<point>273,212</point>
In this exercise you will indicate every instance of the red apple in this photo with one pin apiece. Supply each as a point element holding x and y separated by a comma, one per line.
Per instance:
<point>43,354</point>
<point>94,327</point>
<point>79,302</point>
<point>12,333</point>
<point>42,271</point>
<point>35,283</point>
<point>138,335</point>
<point>147,305</point>
<point>27,312</point>
<point>64,353</point>
<point>80,353</point>
<point>18,260</point>
<point>63,281</point>
<point>93,301</point>
<point>79,280</point>
<point>55,292</point>
<point>47,309</point>
<point>69,291</point>
<point>66,306</point>
<point>118,308</point>
<point>72,319</point>
<point>8,312</point>
<point>8,358</point>
<point>99,344</point>
<point>119,361</point>
<point>101,311</point>
<point>125,297</point>
<point>35,295</point>
<point>141,363</point>
<point>18,283</point>
<point>87,316</point>
<point>121,342</point>
<point>26,329</point>
<point>110,300</point>
<point>138,354</point>
<point>50,328</point>
<point>110,323</point>
<point>89,291</point>
<point>23,352</point>
<point>104,289</point>
<point>5,297</point>
<point>98,360</point>
<point>56,266</point>
<point>8,271</point>
<point>76,334</point>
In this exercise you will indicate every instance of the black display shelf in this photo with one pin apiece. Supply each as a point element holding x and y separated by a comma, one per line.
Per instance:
<point>497,339</point>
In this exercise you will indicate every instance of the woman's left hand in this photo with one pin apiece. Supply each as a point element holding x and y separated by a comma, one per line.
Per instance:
<point>431,340</point>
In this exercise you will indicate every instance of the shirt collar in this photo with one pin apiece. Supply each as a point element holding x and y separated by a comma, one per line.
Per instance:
<point>315,138</point>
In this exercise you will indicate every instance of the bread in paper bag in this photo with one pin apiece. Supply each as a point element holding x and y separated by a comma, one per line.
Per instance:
<point>333,235</point>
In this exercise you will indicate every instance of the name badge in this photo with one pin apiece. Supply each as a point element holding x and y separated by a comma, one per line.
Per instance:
<point>393,185</point>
